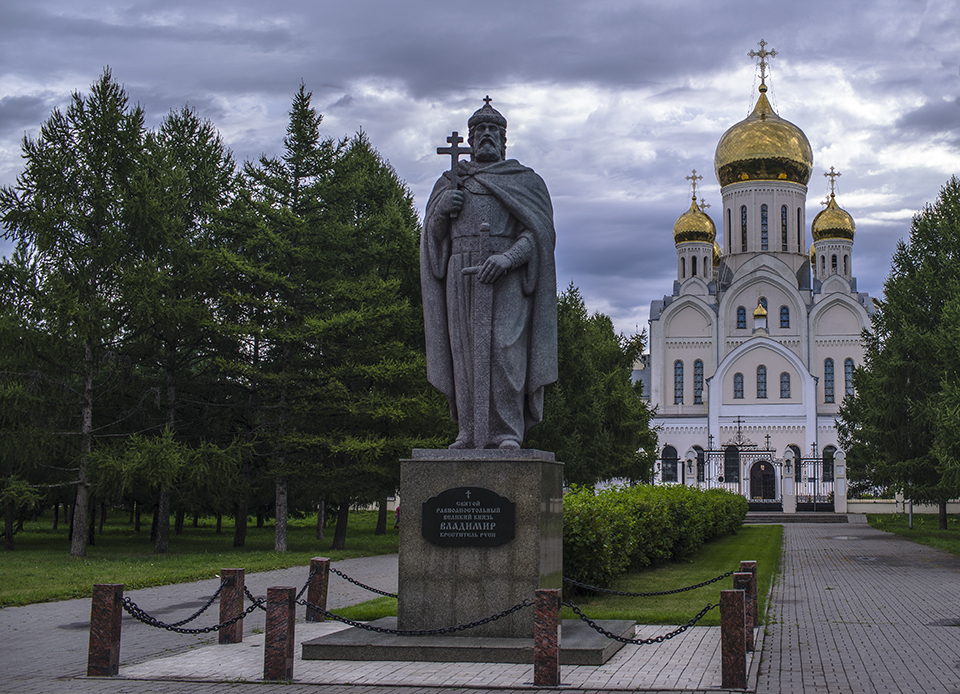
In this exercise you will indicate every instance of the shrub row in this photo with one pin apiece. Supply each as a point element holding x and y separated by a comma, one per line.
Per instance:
<point>609,532</point>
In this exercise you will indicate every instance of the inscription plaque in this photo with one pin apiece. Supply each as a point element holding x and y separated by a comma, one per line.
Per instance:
<point>468,516</point>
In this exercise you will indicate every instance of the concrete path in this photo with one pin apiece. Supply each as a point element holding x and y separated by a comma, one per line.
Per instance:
<point>854,610</point>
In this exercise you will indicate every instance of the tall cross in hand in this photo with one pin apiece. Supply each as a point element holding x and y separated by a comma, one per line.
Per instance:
<point>455,150</point>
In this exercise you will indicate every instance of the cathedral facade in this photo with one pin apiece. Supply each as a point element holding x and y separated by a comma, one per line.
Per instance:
<point>753,352</point>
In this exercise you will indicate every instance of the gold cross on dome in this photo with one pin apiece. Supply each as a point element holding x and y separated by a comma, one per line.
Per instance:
<point>704,204</point>
<point>693,178</point>
<point>487,100</point>
<point>763,54</point>
<point>832,175</point>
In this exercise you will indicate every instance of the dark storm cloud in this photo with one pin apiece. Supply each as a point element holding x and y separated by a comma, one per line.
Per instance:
<point>612,102</point>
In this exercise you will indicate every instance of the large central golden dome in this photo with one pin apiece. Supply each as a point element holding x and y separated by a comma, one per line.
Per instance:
<point>763,146</point>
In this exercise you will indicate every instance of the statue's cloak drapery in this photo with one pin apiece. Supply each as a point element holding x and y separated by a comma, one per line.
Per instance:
<point>524,194</point>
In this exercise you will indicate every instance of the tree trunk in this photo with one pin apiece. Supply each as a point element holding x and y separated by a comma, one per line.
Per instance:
<point>219,523</point>
<point>66,512</point>
<point>72,517</point>
<point>280,526</point>
<point>56,515</point>
<point>154,524</point>
<point>162,545</point>
<point>382,518</point>
<point>133,511</point>
<point>259,518</point>
<point>136,518</point>
<point>943,514</point>
<point>103,516</point>
<point>178,522</point>
<point>240,524</point>
<point>8,526</point>
<point>340,533</point>
<point>196,520</point>
<point>321,518</point>
<point>78,537</point>
<point>91,538</point>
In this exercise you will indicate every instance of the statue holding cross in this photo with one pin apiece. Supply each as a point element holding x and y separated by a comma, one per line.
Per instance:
<point>489,288</point>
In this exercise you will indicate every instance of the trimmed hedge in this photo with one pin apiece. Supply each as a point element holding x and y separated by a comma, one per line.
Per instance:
<point>609,532</point>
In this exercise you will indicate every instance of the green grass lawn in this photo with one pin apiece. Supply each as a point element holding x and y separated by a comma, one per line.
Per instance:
<point>41,568</point>
<point>753,542</point>
<point>925,529</point>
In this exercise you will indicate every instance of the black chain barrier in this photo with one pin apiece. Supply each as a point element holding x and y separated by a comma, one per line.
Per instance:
<point>641,642</point>
<point>246,591</point>
<point>357,583</point>
<point>418,632</point>
<point>141,615</point>
<point>597,589</point>
<point>202,609</point>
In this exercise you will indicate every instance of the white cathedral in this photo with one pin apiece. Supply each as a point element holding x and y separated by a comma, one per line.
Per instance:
<point>753,352</point>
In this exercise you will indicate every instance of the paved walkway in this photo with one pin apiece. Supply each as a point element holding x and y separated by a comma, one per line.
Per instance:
<point>854,610</point>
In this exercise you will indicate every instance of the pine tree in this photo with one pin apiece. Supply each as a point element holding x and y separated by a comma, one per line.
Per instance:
<point>74,207</point>
<point>898,425</point>
<point>594,418</point>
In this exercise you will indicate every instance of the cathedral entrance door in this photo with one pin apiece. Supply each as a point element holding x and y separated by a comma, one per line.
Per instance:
<point>762,481</point>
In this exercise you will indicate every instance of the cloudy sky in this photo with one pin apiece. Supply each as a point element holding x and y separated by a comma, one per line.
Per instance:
<point>612,102</point>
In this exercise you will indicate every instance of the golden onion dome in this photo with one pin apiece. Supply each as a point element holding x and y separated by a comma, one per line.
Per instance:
<point>833,222</point>
<point>813,256</point>
<point>764,146</point>
<point>717,253</point>
<point>694,225</point>
<point>760,311</point>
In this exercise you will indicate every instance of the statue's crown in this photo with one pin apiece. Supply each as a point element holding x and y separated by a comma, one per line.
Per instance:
<point>487,114</point>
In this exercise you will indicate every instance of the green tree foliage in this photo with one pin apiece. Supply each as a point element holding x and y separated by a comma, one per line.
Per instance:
<point>594,418</point>
<point>74,205</point>
<point>901,426</point>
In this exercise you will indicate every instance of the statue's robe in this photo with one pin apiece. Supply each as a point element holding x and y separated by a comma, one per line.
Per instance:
<point>514,201</point>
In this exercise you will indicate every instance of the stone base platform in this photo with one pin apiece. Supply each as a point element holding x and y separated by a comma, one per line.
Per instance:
<point>579,645</point>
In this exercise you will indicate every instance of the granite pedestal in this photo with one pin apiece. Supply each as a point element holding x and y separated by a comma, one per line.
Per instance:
<point>442,585</point>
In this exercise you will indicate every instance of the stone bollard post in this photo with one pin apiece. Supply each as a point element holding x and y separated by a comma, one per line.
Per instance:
<point>546,638</point>
<point>231,604</point>
<point>106,609</point>
<point>278,645</point>
<point>753,600</point>
<point>317,591</point>
<point>741,581</point>
<point>733,654</point>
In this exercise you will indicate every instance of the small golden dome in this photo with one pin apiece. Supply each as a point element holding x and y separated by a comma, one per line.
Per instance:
<point>694,225</point>
<point>833,222</point>
<point>717,253</point>
<point>759,311</point>
<point>813,256</point>
<point>764,146</point>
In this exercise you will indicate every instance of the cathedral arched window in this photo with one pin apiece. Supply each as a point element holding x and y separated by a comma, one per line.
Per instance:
<point>784,386</point>
<point>693,266</point>
<point>729,231</point>
<point>763,302</point>
<point>698,382</point>
<point>741,318</point>
<point>784,317</point>
<point>731,464</point>
<point>846,265</point>
<point>828,453</point>
<point>706,268</point>
<point>738,386</point>
<point>833,264</point>
<point>743,228</point>
<point>764,235</point>
<point>828,380</point>
<point>823,264</point>
<point>683,268</point>
<point>848,376</point>
<point>669,459</point>
<point>783,228</point>
<point>797,463</point>
<point>799,230</point>
<point>678,382</point>
<point>701,464</point>
<point>761,382</point>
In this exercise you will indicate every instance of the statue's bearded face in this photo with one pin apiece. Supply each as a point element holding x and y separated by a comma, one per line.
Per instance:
<point>488,142</point>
